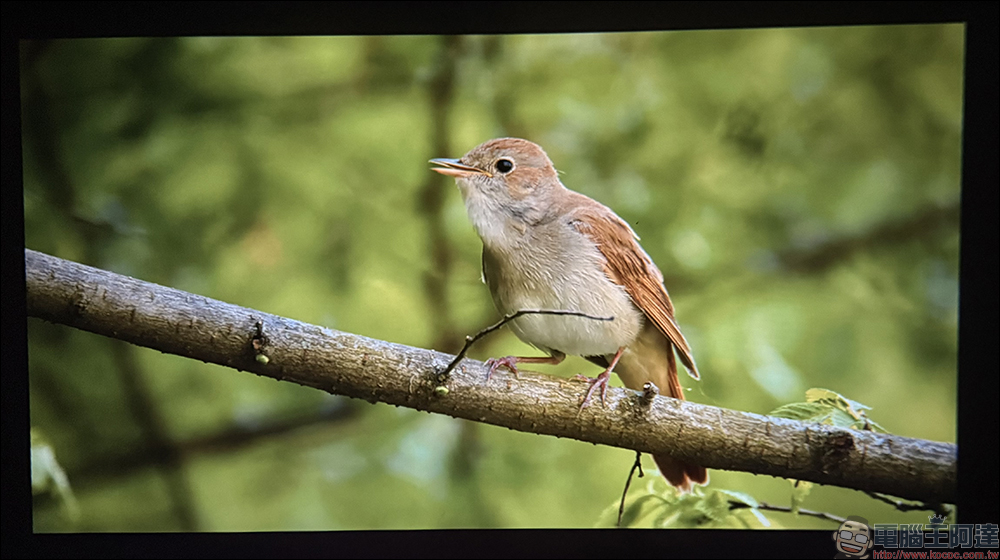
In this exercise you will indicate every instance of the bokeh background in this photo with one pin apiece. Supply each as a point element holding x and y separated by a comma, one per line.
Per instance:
<point>799,188</point>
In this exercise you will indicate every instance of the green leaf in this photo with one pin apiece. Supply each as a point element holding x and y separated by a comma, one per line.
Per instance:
<point>715,506</point>
<point>667,518</point>
<point>641,507</point>
<point>820,413</point>
<point>803,411</point>
<point>824,406</point>
<point>701,508</point>
<point>687,511</point>
<point>817,394</point>
<point>854,408</point>
<point>840,418</point>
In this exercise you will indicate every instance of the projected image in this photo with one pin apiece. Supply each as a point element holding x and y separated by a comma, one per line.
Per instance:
<point>794,198</point>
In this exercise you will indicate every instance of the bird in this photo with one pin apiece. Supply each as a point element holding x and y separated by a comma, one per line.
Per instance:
<point>548,247</point>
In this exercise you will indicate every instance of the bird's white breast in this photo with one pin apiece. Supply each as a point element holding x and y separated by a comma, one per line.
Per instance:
<point>555,267</point>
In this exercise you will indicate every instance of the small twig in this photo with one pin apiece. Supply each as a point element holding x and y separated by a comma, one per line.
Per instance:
<point>469,340</point>
<point>636,465</point>
<point>258,342</point>
<point>649,392</point>
<point>937,508</point>
<point>765,506</point>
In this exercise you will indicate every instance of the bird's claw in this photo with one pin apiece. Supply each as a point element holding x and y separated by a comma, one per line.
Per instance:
<point>509,362</point>
<point>601,380</point>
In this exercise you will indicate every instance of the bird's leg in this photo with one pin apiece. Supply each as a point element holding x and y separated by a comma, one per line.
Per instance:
<point>601,380</point>
<point>510,362</point>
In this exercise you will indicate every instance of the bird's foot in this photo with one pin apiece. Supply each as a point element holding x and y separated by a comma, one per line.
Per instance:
<point>509,362</point>
<point>601,380</point>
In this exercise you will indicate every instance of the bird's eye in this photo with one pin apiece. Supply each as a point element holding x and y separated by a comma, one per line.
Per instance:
<point>504,165</point>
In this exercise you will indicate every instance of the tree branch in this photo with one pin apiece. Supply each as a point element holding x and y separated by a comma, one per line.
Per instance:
<point>197,327</point>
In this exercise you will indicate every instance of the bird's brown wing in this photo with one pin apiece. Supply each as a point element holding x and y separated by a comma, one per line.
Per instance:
<point>628,265</point>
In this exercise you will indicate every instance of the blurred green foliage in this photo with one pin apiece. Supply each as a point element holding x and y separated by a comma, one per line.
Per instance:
<point>661,507</point>
<point>799,188</point>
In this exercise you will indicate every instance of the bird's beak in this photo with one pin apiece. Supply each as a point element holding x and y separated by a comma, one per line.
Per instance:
<point>455,168</point>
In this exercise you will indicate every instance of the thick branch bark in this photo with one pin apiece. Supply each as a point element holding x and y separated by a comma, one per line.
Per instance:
<point>197,327</point>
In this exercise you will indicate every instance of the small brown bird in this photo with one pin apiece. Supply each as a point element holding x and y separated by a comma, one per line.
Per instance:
<point>547,247</point>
